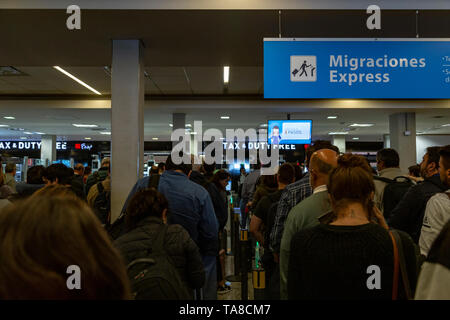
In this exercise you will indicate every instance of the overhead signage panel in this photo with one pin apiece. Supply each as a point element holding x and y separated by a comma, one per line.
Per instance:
<point>356,69</point>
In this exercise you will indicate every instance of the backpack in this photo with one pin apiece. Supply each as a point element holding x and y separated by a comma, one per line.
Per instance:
<point>155,276</point>
<point>102,204</point>
<point>270,220</point>
<point>393,192</point>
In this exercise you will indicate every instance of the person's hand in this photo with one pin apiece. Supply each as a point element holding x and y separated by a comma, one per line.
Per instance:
<point>380,218</point>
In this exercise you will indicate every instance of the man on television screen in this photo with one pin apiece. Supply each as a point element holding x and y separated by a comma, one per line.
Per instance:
<point>275,137</point>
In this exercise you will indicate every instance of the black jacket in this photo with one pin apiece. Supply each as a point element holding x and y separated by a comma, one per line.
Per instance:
<point>179,246</point>
<point>408,214</point>
<point>218,198</point>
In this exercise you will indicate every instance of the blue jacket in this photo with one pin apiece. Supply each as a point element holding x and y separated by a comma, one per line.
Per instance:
<point>190,206</point>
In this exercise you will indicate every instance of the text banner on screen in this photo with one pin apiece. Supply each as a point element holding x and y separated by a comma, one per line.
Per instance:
<point>289,132</point>
<point>356,68</point>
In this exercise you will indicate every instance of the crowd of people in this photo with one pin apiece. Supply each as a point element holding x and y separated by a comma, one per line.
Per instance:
<point>336,232</point>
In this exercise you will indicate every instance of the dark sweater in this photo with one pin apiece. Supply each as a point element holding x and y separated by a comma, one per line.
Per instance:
<point>330,262</point>
<point>408,214</point>
<point>179,246</point>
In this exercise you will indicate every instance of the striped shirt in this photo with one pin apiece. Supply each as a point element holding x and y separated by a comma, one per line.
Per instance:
<point>291,196</point>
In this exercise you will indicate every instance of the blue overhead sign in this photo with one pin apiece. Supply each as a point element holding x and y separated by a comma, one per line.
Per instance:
<point>373,69</point>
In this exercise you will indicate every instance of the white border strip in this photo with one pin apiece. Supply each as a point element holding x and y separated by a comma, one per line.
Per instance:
<point>360,39</point>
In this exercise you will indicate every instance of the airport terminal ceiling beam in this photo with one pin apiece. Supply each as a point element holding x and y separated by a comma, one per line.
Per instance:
<point>227,5</point>
<point>276,105</point>
<point>184,38</point>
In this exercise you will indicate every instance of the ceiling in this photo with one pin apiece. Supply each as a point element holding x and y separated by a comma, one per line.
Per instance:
<point>158,116</point>
<point>184,55</point>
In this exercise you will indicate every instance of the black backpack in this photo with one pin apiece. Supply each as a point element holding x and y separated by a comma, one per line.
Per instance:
<point>270,221</point>
<point>155,276</point>
<point>393,192</point>
<point>102,204</point>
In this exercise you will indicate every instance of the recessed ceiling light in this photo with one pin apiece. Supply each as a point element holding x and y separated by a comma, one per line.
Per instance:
<point>76,79</point>
<point>3,125</point>
<point>23,138</point>
<point>26,132</point>
<point>105,132</point>
<point>362,125</point>
<point>189,125</point>
<point>337,133</point>
<point>39,133</point>
<point>226,74</point>
<point>263,125</point>
<point>194,132</point>
<point>171,125</point>
<point>87,138</point>
<point>225,117</point>
<point>355,138</point>
<point>85,125</point>
<point>446,125</point>
<point>332,117</point>
<point>154,138</point>
<point>9,118</point>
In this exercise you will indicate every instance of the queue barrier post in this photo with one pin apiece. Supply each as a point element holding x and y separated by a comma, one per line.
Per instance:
<point>259,283</point>
<point>244,264</point>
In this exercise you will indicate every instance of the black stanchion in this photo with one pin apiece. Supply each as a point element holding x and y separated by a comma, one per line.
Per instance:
<point>236,249</point>
<point>244,264</point>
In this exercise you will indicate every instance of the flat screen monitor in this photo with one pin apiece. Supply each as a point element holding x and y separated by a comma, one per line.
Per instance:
<point>289,131</point>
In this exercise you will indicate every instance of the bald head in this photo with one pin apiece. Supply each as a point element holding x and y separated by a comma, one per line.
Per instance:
<point>320,166</point>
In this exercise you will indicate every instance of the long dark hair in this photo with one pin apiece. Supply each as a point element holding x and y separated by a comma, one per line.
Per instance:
<point>218,176</point>
<point>44,235</point>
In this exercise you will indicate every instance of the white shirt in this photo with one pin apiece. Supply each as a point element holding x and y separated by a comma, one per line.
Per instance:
<point>437,213</point>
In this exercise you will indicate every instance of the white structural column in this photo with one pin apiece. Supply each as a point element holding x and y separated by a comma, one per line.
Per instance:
<point>127,120</point>
<point>48,150</point>
<point>178,122</point>
<point>386,141</point>
<point>402,133</point>
<point>339,141</point>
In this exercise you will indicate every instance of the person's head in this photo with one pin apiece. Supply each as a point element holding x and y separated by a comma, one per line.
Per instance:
<point>79,169</point>
<point>58,173</point>
<point>161,167</point>
<point>298,171</point>
<point>321,163</point>
<point>87,171</point>
<point>45,240</point>
<point>318,145</point>
<point>242,171</point>
<point>55,191</point>
<point>221,179</point>
<point>183,167</point>
<point>351,182</point>
<point>430,162</point>
<point>35,175</point>
<point>106,162</point>
<point>10,168</point>
<point>269,181</point>
<point>444,165</point>
<point>414,171</point>
<point>285,175</point>
<point>276,131</point>
<point>146,203</point>
<point>209,168</point>
<point>387,158</point>
<point>154,170</point>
